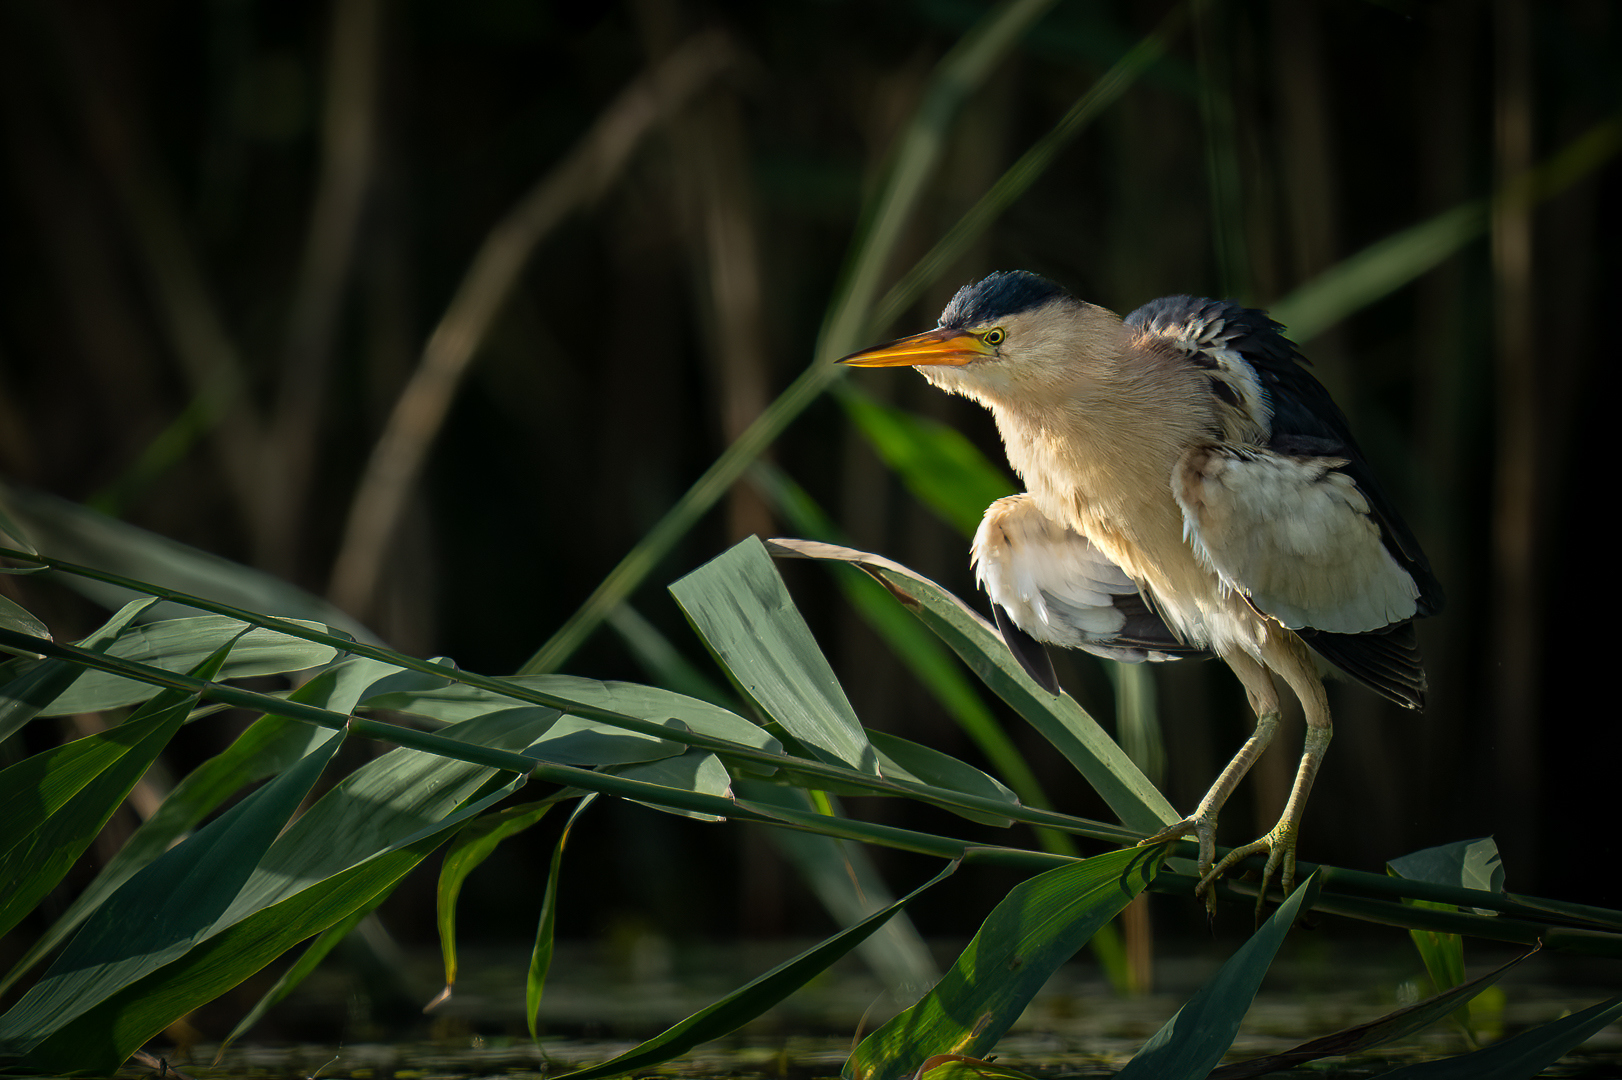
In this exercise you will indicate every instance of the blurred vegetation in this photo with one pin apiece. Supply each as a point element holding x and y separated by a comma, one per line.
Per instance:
<point>438,310</point>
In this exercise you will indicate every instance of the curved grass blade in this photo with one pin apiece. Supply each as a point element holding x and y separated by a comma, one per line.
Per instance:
<point>1522,1056</point>
<point>922,652</point>
<point>1355,1040</point>
<point>105,1036</point>
<point>1469,864</point>
<point>1085,744</point>
<point>540,959</point>
<point>1193,1041</point>
<point>902,759</point>
<point>741,608</point>
<point>179,645</point>
<point>269,746</point>
<point>472,846</point>
<point>55,803</point>
<point>36,687</point>
<point>1036,928</point>
<point>697,770</point>
<point>751,999</point>
<point>13,616</point>
<point>162,911</point>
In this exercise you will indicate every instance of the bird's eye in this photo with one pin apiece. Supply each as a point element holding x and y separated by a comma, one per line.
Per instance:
<point>995,335</point>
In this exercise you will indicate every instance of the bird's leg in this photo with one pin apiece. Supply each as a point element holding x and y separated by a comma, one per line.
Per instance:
<point>1202,822</point>
<point>1280,841</point>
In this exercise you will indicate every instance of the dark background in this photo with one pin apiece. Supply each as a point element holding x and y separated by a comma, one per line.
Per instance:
<point>230,228</point>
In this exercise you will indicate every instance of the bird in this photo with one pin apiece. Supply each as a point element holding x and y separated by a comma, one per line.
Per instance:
<point>1191,490</point>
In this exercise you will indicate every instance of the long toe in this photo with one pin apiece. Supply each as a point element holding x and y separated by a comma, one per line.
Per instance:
<point>1279,847</point>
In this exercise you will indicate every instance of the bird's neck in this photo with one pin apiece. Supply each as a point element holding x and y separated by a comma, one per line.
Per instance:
<point>1103,453</point>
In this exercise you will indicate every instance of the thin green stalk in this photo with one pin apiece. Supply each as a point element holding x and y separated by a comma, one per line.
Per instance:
<point>814,770</point>
<point>1371,897</point>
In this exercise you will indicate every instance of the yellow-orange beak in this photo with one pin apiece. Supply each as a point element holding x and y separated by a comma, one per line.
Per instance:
<point>931,347</point>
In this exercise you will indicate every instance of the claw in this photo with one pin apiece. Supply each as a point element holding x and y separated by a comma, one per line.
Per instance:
<point>1203,826</point>
<point>1279,844</point>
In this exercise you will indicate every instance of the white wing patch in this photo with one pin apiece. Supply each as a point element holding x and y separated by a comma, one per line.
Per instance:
<point>1052,581</point>
<point>1294,535</point>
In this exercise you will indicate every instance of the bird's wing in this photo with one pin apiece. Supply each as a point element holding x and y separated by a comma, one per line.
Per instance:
<point>1052,584</point>
<point>1296,535</point>
<point>1283,505</point>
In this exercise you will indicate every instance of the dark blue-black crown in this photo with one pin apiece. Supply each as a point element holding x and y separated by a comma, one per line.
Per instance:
<point>997,296</point>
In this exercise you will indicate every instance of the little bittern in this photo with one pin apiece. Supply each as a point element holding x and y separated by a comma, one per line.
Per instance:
<point>1191,489</point>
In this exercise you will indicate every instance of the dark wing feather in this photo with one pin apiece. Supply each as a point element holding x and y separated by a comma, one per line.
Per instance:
<point>1031,654</point>
<point>1386,661</point>
<point>1306,423</point>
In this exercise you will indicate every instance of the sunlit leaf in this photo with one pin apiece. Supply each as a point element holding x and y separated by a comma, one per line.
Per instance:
<point>1060,720</point>
<point>922,653</point>
<point>574,739</point>
<point>179,645</point>
<point>901,759</point>
<point>1037,927</point>
<point>696,770</point>
<point>742,609</point>
<point>43,681</point>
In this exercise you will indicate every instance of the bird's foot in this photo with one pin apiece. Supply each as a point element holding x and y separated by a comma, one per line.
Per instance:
<point>1279,845</point>
<point>1203,827</point>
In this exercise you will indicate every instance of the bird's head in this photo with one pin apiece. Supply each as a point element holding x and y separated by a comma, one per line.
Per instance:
<point>1012,337</point>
